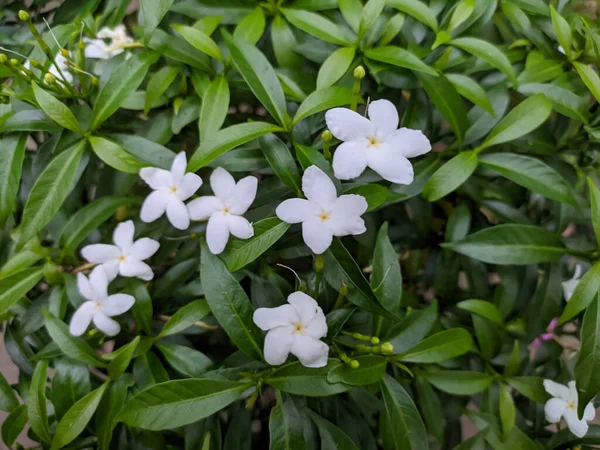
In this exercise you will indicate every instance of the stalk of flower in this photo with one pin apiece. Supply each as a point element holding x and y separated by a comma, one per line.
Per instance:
<point>563,405</point>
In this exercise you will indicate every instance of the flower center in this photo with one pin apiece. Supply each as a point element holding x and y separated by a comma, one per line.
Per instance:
<point>173,190</point>
<point>122,258</point>
<point>571,405</point>
<point>374,141</point>
<point>98,306</point>
<point>324,215</point>
<point>226,210</point>
<point>298,328</point>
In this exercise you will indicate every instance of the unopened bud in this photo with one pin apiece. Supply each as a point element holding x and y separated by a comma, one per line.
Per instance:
<point>81,45</point>
<point>359,72</point>
<point>15,62</point>
<point>95,81</point>
<point>326,136</point>
<point>53,273</point>
<point>387,348</point>
<point>354,364</point>
<point>343,290</point>
<point>375,340</point>
<point>24,15</point>
<point>3,58</point>
<point>49,78</point>
<point>64,52</point>
<point>303,288</point>
<point>35,63</point>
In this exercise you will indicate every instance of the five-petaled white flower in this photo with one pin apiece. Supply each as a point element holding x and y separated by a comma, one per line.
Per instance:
<point>376,143</point>
<point>564,405</point>
<point>61,62</point>
<point>171,189</point>
<point>295,328</point>
<point>100,306</point>
<point>224,210</point>
<point>99,48</point>
<point>126,256</point>
<point>570,285</point>
<point>323,215</point>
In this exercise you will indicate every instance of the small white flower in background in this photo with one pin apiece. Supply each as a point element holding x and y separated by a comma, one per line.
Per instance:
<point>323,215</point>
<point>376,143</point>
<point>564,405</point>
<point>126,256</point>
<point>570,285</point>
<point>118,40</point>
<point>61,62</point>
<point>224,210</point>
<point>561,49</point>
<point>295,328</point>
<point>100,306</point>
<point>171,189</point>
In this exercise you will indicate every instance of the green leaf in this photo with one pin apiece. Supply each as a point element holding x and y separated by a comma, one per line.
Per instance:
<point>562,30</point>
<point>400,57</point>
<point>430,406</point>
<point>50,191</point>
<point>185,317</point>
<point>589,77</point>
<point>370,371</point>
<point>281,160</point>
<point>334,68</point>
<point>400,423</point>
<point>113,155</point>
<point>119,364</point>
<point>461,13</point>
<point>507,410</point>
<point>142,308</point>
<point>72,346</point>
<point>12,154</point>
<point>370,13</point>
<point>200,41</point>
<point>14,424</point>
<point>375,194</point>
<point>185,360</point>
<point>153,12</point>
<point>226,139</point>
<point>595,207</point>
<point>440,347</point>
<point>229,303</point>
<point>294,378</point>
<point>530,387</point>
<point>471,90</point>
<point>416,9</point>
<point>392,28</point>
<point>488,52</point>
<point>215,105</point>
<point>511,244</point>
<point>56,110</point>
<point>526,117</point>
<point>413,328</point>
<point>450,176</point>
<point>318,26</point>
<point>352,11</point>
<point>332,437</point>
<point>111,404</point>
<point>514,362</point>
<point>587,368</point>
<point>76,418</point>
<point>482,308</point>
<point>251,27</point>
<point>14,287</point>
<point>8,399</point>
<point>176,403</point>
<point>282,34</point>
<point>286,425</point>
<point>323,99</point>
<point>564,101</point>
<point>158,84</point>
<point>144,150</point>
<point>70,382</point>
<point>29,120</point>
<point>240,253</point>
<point>386,280</point>
<point>530,173</point>
<point>36,403</point>
<point>458,382</point>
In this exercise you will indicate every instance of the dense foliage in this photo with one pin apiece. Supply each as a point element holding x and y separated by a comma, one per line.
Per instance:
<point>440,310</point>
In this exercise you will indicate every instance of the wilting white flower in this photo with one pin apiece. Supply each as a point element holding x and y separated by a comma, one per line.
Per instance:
<point>100,306</point>
<point>570,285</point>
<point>376,143</point>
<point>295,328</point>
<point>323,214</point>
<point>171,189</point>
<point>224,210</point>
<point>61,62</point>
<point>126,256</point>
<point>564,405</point>
<point>99,48</point>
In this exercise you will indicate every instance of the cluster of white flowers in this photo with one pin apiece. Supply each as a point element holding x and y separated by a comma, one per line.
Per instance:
<point>109,43</point>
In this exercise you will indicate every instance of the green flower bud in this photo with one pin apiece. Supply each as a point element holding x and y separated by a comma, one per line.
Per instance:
<point>3,58</point>
<point>64,52</point>
<point>81,45</point>
<point>375,340</point>
<point>24,16</point>
<point>95,81</point>
<point>53,274</point>
<point>359,73</point>
<point>387,348</point>
<point>49,78</point>
<point>15,62</point>
<point>303,288</point>
<point>343,290</point>
<point>35,63</point>
<point>326,136</point>
<point>354,364</point>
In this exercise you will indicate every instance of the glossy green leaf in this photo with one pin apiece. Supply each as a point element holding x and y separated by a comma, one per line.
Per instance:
<point>56,110</point>
<point>440,347</point>
<point>458,382</point>
<point>213,111</point>
<point>370,13</point>
<point>413,328</point>
<point>589,77</point>
<point>8,399</point>
<point>332,437</point>
<point>563,100</point>
<point>482,308</point>
<point>200,41</point>
<point>375,194</point>
<point>70,382</point>
<point>370,371</point>
<point>450,176</point>
<point>595,207</point>
<point>507,410</point>
<point>251,27</point>
<point>400,57</point>
<point>36,404</point>
<point>530,387</point>
<point>12,154</point>
<point>14,424</point>
<point>352,11</point>
<point>144,150</point>
<point>286,425</point>
<point>29,120</point>
<point>281,160</point>
<point>461,13</point>
<point>294,378</point>
<point>142,308</point>
<point>562,30</point>
<point>386,280</point>
<point>153,12</point>
<point>15,286</point>
<point>158,84</point>
<point>185,317</point>
<point>471,90</point>
<point>119,364</point>
<point>416,9</point>
<point>318,26</point>
<point>587,368</point>
<point>284,50</point>
<point>113,155</point>
<point>487,52</point>
<point>323,99</point>
<point>334,68</point>
<point>185,360</point>
<point>112,402</point>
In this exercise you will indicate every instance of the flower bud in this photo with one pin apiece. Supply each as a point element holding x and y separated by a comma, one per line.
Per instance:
<point>15,62</point>
<point>95,81</point>
<point>326,136</point>
<point>53,273</point>
<point>359,73</point>
<point>49,78</point>
<point>3,58</point>
<point>387,348</point>
<point>375,340</point>
<point>24,15</point>
<point>35,63</point>
<point>343,290</point>
<point>64,52</point>
<point>81,45</point>
<point>354,364</point>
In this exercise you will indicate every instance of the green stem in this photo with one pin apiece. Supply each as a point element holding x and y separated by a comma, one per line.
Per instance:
<point>341,297</point>
<point>355,94</point>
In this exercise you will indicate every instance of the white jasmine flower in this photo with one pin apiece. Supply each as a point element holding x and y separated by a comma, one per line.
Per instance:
<point>570,285</point>
<point>61,62</point>
<point>126,256</point>
<point>171,189</point>
<point>564,405</point>
<point>100,306</point>
<point>376,143</point>
<point>224,210</point>
<point>295,328</point>
<point>323,215</point>
<point>117,38</point>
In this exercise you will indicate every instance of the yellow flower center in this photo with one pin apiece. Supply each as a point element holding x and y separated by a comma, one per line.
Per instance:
<point>324,215</point>
<point>299,328</point>
<point>122,258</point>
<point>226,210</point>
<point>173,189</point>
<point>571,405</point>
<point>374,141</point>
<point>98,306</point>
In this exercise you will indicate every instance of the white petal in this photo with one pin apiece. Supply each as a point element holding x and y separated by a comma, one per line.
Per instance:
<point>391,165</point>
<point>384,117</point>
<point>217,233</point>
<point>105,324</point>
<point>117,304</point>
<point>269,318</point>
<point>568,288</point>
<point>81,318</point>
<point>557,390</point>
<point>240,227</point>
<point>578,427</point>
<point>144,248</point>
<point>277,344</point>
<point>317,328</point>
<point>318,187</point>
<point>107,33</point>
<point>410,143</point>
<point>123,236</point>
<point>134,268</point>
<point>295,210</point>
<point>100,253</point>
<point>348,125</point>
<point>243,195</point>
<point>350,160</point>
<point>203,207</point>
<point>177,214</point>
<point>111,269</point>
<point>316,235</point>
<point>188,187</point>
<point>311,352</point>
<point>554,409</point>
<point>178,168</point>
<point>305,306</point>
<point>154,206</point>
<point>345,215</point>
<point>156,178</point>
<point>222,184</point>
<point>84,287</point>
<point>96,49</point>
<point>573,396</point>
<point>589,413</point>
<point>99,283</point>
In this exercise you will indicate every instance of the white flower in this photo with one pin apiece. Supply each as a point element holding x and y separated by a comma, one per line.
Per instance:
<point>99,48</point>
<point>171,189</point>
<point>561,49</point>
<point>323,215</point>
<point>126,256</point>
<point>570,285</point>
<point>61,62</point>
<point>100,306</point>
<point>224,210</point>
<point>564,404</point>
<point>295,328</point>
<point>376,143</point>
